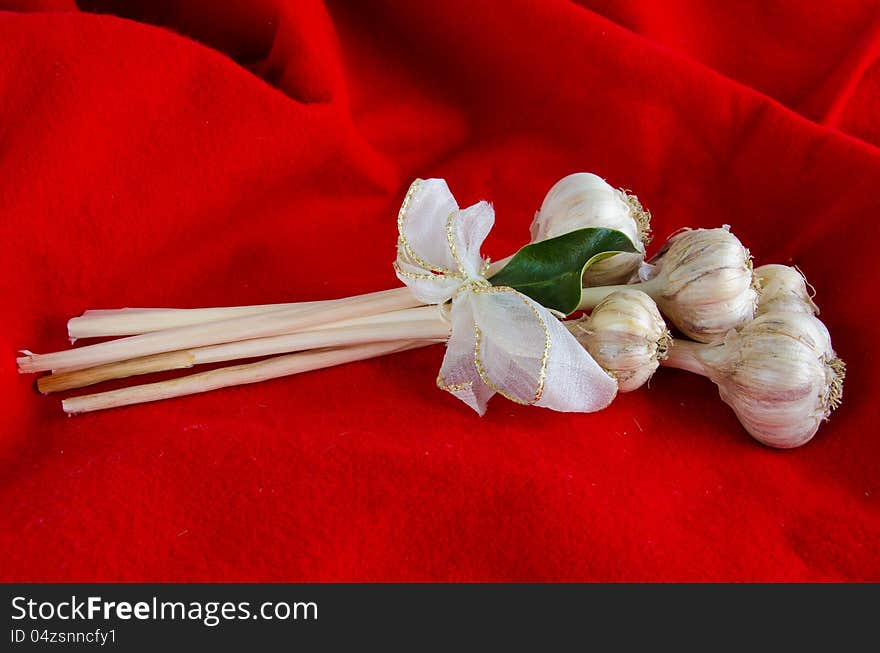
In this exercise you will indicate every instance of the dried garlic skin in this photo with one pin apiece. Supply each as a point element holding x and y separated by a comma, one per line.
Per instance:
<point>783,289</point>
<point>584,200</point>
<point>626,335</point>
<point>780,375</point>
<point>705,283</point>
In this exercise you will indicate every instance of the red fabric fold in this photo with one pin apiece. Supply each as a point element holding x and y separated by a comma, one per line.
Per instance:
<point>188,154</point>
<point>821,61</point>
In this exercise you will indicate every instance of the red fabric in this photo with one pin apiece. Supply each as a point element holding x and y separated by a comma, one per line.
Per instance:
<point>200,153</point>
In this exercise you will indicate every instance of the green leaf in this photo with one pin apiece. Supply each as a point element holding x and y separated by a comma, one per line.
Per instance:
<point>550,272</point>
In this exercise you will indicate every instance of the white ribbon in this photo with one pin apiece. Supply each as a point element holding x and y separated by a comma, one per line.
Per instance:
<point>501,340</point>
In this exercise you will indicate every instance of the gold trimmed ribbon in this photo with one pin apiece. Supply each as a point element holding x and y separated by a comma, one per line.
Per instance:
<point>501,341</point>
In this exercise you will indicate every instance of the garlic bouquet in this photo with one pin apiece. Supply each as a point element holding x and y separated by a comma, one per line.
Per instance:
<point>500,322</point>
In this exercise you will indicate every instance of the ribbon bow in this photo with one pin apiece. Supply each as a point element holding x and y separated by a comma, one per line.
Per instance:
<point>501,340</point>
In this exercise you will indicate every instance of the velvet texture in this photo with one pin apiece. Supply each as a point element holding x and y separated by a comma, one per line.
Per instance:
<point>201,153</point>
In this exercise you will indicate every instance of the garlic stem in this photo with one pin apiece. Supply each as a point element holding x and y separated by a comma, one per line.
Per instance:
<point>590,297</point>
<point>60,381</point>
<point>289,320</point>
<point>234,375</point>
<point>100,323</point>
<point>423,323</point>
<point>684,355</point>
<point>135,321</point>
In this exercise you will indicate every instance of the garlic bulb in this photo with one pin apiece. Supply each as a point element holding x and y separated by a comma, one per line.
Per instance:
<point>702,281</point>
<point>783,288</point>
<point>584,200</point>
<point>779,373</point>
<point>626,335</point>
